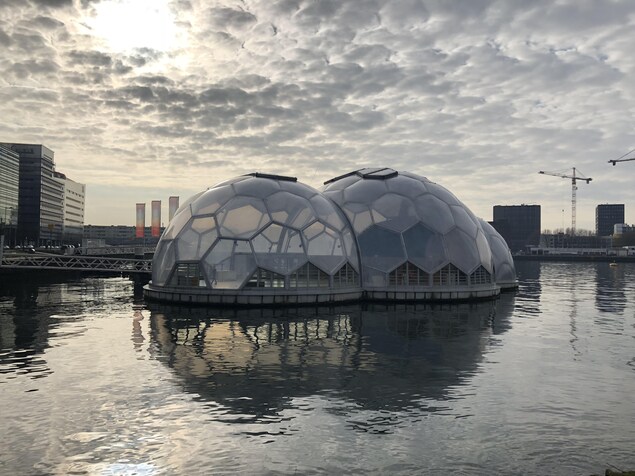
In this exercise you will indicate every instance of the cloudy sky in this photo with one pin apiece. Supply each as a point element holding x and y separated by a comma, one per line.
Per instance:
<point>143,99</point>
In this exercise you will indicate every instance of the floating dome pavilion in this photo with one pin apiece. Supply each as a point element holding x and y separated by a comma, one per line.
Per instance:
<point>257,239</point>
<point>417,241</point>
<point>379,234</point>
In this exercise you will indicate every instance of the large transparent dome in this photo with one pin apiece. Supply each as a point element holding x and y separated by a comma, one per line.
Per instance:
<point>504,268</point>
<point>372,233</point>
<point>413,234</point>
<point>257,234</point>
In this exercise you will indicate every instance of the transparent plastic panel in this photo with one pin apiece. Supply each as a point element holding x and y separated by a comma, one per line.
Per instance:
<point>241,217</point>
<point>406,186</point>
<point>187,245</point>
<point>326,212</point>
<point>399,211</point>
<point>229,264</point>
<point>342,183</point>
<point>501,256</point>
<point>290,209</point>
<point>462,250</point>
<point>203,224</point>
<point>299,189</point>
<point>336,196</point>
<point>177,223</point>
<point>233,180</point>
<point>187,202</point>
<point>163,263</point>
<point>313,230</point>
<point>206,241</point>
<point>212,199</point>
<point>484,251</point>
<point>374,278</point>
<point>377,217</point>
<point>330,264</point>
<point>365,191</point>
<point>261,244</point>
<point>351,250</point>
<point>325,244</point>
<point>464,221</point>
<point>415,177</point>
<point>381,249</point>
<point>505,273</point>
<point>361,221</point>
<point>273,233</point>
<point>442,193</point>
<point>283,264</point>
<point>424,248</point>
<point>434,213</point>
<point>257,187</point>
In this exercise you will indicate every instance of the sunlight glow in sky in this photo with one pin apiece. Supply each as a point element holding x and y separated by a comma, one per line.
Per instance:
<point>129,24</point>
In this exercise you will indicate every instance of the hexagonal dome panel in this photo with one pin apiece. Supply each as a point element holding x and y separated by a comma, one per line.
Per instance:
<point>242,217</point>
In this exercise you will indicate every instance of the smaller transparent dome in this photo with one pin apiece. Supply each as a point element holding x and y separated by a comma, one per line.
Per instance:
<point>411,232</point>
<point>505,270</point>
<point>256,232</point>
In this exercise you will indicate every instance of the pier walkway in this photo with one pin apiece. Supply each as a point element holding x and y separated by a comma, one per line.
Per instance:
<point>77,263</point>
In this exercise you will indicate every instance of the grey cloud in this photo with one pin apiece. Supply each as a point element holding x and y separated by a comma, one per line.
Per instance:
<point>5,39</point>
<point>228,18</point>
<point>93,58</point>
<point>29,41</point>
<point>53,3</point>
<point>30,68</point>
<point>47,23</point>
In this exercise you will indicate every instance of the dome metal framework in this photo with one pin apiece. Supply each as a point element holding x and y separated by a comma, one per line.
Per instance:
<point>373,233</point>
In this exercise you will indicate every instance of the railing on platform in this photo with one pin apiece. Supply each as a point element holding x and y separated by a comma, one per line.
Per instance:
<point>80,263</point>
<point>114,250</point>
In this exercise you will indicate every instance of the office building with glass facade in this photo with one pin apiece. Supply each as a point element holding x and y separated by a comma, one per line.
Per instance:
<point>40,212</point>
<point>9,194</point>
<point>607,216</point>
<point>519,225</point>
<point>73,208</point>
<point>374,233</point>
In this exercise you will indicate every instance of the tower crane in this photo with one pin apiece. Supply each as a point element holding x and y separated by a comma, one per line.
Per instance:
<point>574,187</point>
<point>622,159</point>
<point>614,161</point>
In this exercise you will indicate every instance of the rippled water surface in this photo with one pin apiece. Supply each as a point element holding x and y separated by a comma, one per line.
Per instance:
<point>93,380</point>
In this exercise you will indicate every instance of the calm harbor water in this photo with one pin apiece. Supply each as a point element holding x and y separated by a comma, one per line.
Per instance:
<point>93,380</point>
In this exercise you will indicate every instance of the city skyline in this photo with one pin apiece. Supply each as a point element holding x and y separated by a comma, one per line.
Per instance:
<point>149,99</point>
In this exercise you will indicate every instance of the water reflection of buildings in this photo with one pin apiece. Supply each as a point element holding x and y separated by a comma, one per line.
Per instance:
<point>33,306</point>
<point>379,357</point>
<point>609,288</point>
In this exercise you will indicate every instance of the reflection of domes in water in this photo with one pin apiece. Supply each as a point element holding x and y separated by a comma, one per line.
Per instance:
<point>375,233</point>
<point>383,357</point>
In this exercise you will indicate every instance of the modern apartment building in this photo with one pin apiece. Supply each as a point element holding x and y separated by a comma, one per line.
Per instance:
<point>73,208</point>
<point>40,212</point>
<point>606,216</point>
<point>9,194</point>
<point>519,225</point>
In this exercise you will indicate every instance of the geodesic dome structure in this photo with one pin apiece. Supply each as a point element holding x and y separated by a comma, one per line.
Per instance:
<point>374,233</point>
<point>413,236</point>
<point>504,268</point>
<point>256,239</point>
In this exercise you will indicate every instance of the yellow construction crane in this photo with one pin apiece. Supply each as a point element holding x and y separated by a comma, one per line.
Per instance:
<point>574,187</point>
<point>622,159</point>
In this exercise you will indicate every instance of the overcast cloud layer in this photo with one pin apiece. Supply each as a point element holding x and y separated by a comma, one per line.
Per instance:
<point>142,102</point>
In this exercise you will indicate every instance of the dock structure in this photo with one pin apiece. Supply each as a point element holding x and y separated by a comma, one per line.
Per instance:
<point>77,263</point>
